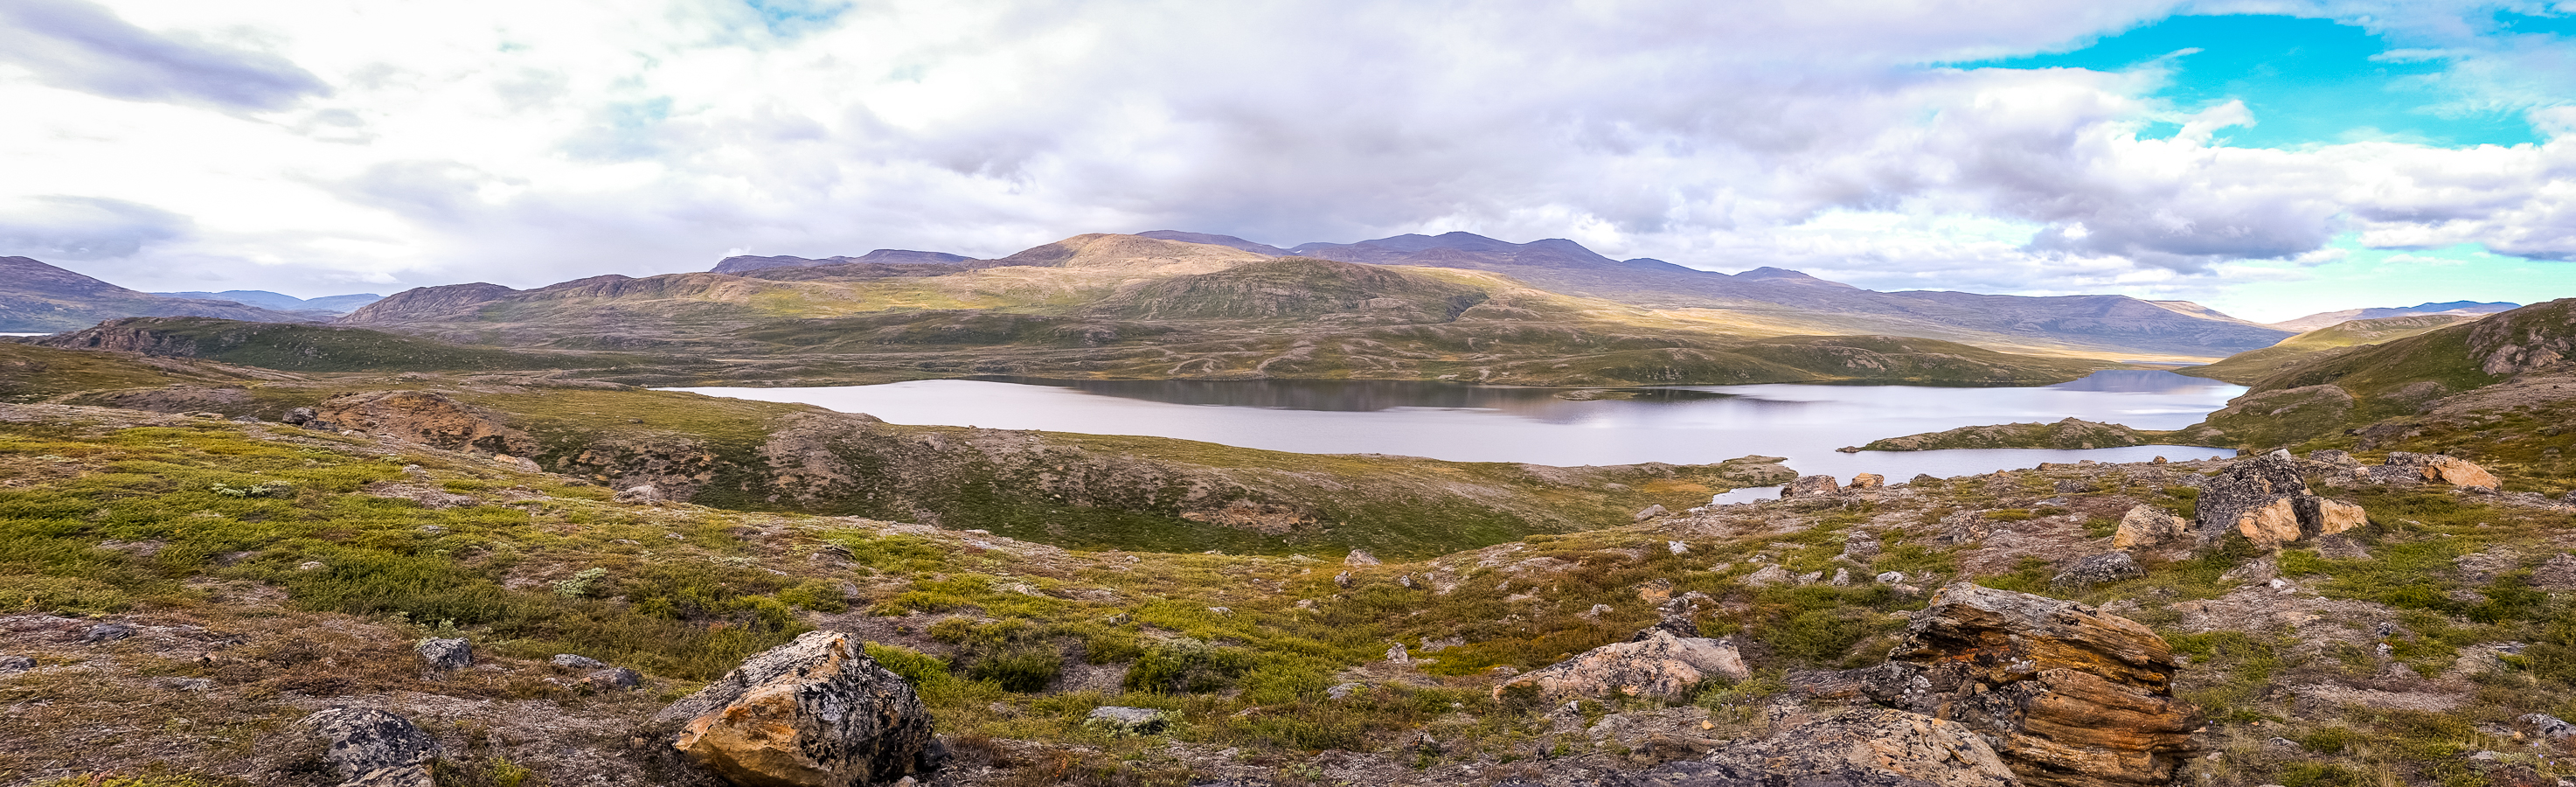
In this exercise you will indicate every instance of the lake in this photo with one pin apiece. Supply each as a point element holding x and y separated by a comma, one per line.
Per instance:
<point>1682,425</point>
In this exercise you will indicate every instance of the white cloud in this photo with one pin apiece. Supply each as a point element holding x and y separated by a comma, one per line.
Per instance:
<point>527,143</point>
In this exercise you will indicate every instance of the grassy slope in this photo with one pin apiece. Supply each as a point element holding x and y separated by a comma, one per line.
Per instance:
<point>2248,368</point>
<point>312,348</point>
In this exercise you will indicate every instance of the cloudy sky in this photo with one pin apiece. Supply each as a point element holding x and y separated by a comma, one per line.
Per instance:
<point>2269,158</point>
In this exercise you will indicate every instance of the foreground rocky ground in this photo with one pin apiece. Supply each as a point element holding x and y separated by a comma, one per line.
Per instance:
<point>186,594</point>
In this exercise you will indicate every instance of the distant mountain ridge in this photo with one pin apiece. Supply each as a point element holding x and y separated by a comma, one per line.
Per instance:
<point>35,296</point>
<point>335,304</point>
<point>745,263</point>
<point>2323,319</point>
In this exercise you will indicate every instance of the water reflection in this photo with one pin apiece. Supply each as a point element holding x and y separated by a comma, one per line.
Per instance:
<point>1353,396</point>
<point>1698,424</point>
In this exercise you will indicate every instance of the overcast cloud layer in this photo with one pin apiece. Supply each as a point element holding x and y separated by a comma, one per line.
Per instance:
<point>316,148</point>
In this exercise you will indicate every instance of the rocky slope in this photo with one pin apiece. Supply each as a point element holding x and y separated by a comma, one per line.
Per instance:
<point>35,296</point>
<point>2068,434</point>
<point>745,263</point>
<point>302,348</point>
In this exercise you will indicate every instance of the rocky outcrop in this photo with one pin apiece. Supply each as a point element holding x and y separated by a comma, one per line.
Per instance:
<point>2068,695</point>
<point>1658,664</point>
<point>2264,500</point>
<point>2099,569</point>
<point>445,655</point>
<point>425,417</point>
<point>2069,434</point>
<point>815,711</point>
<point>374,748</point>
<point>2435,468</point>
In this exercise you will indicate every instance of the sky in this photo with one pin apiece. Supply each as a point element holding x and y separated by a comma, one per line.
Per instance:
<point>2266,157</point>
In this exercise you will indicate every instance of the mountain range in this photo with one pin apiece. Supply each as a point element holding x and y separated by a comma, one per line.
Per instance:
<point>278,301</point>
<point>2098,325</point>
<point>35,296</point>
<point>2457,308</point>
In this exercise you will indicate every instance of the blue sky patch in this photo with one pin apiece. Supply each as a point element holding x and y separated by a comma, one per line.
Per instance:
<point>792,18</point>
<point>2307,81</point>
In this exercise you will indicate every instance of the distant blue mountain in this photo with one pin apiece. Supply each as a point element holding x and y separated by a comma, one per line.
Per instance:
<point>336,304</point>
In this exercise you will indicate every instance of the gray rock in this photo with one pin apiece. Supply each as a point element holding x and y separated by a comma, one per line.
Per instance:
<point>1842,578</point>
<point>577,662</point>
<point>1860,548</point>
<point>371,747</point>
<point>2148,526</point>
<point>2545,726</point>
<point>1343,691</point>
<point>298,416</point>
<point>1398,655</point>
<point>1655,665</point>
<point>1122,720</point>
<point>1359,557</point>
<point>1863,747</point>
<point>646,494</point>
<point>1768,576</point>
<point>2099,569</point>
<point>442,655</point>
<point>2334,457</point>
<point>1651,512</point>
<point>1811,486</point>
<point>1891,578</point>
<point>10,664</point>
<point>1343,579</point>
<point>106,632</point>
<point>184,684</point>
<point>614,678</point>
<point>813,711</point>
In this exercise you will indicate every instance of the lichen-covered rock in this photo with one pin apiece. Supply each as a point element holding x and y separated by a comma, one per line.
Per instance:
<point>1651,512</point>
<point>2068,695</point>
<point>1868,481</point>
<point>815,711</point>
<point>2438,468</point>
<point>443,655</point>
<point>1121,720</point>
<point>2244,488</point>
<point>1861,747</point>
<point>2149,526</point>
<point>1810,486</point>
<point>2098,569</point>
<point>1657,664</point>
<point>374,748</point>
<point>1769,575</point>
<point>642,494</point>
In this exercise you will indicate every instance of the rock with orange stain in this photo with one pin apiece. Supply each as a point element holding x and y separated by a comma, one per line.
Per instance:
<point>810,713</point>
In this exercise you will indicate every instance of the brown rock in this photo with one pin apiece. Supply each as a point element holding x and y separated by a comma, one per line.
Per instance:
<point>2148,526</point>
<point>2244,487</point>
<point>2270,525</point>
<point>815,711</point>
<point>2068,695</point>
<point>2322,517</point>
<point>1658,664</point>
<point>1868,481</point>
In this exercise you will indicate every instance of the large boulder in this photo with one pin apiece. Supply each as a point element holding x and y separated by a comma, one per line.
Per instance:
<point>813,712</point>
<point>428,418</point>
<point>1861,747</point>
<point>2068,695</point>
<point>1658,664</point>
<point>374,748</point>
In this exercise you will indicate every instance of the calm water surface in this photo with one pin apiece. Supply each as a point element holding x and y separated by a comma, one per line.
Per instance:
<point>1686,425</point>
